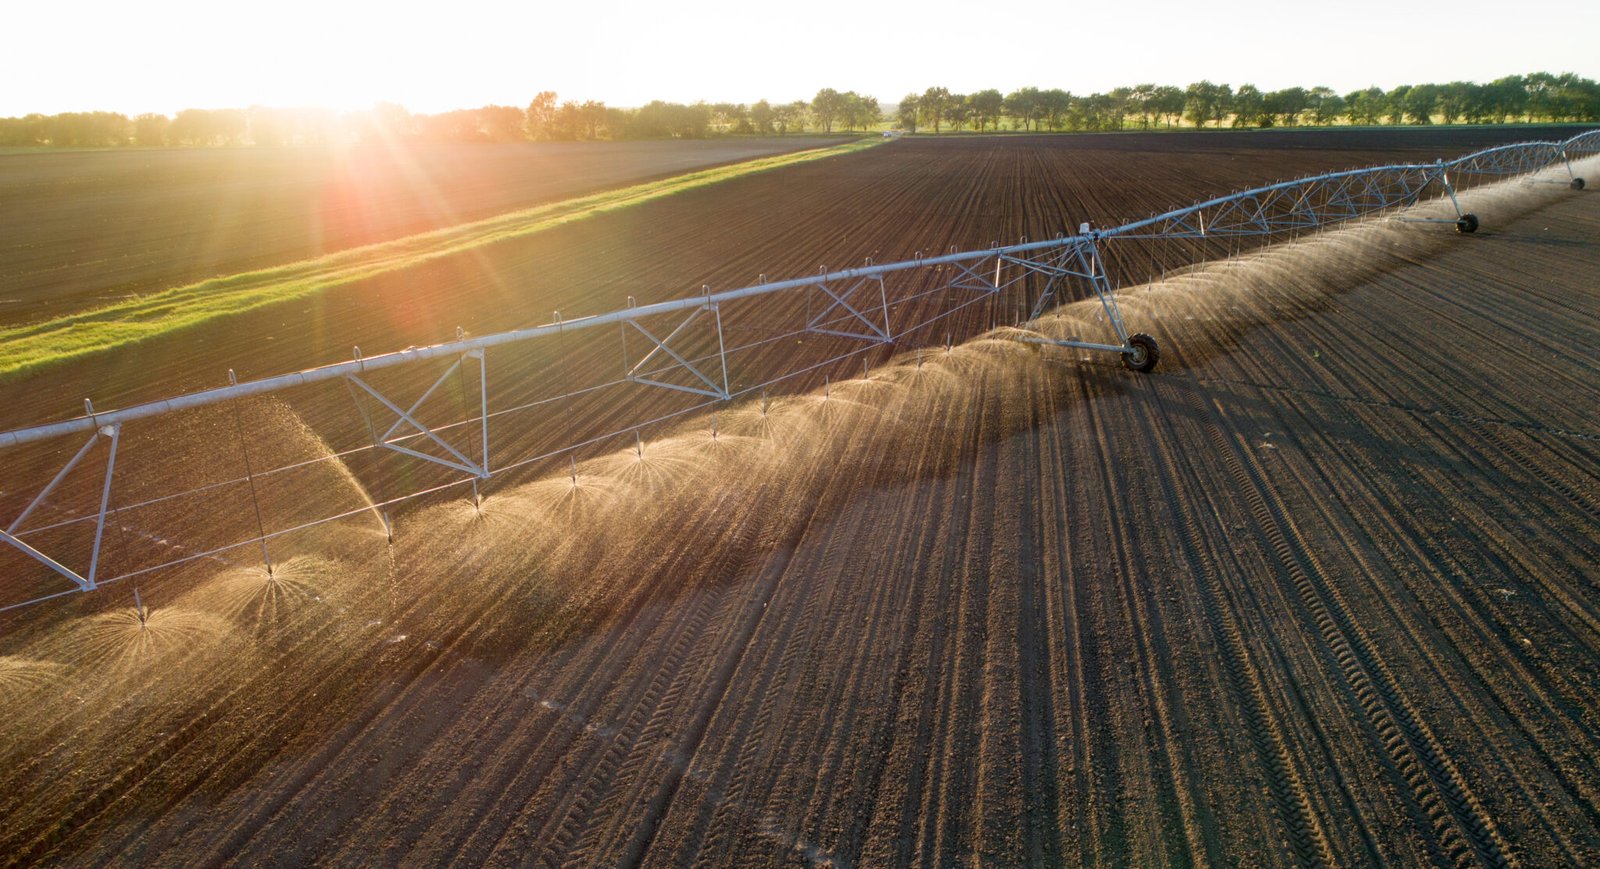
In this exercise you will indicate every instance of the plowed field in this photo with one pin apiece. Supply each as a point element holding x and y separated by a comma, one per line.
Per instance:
<point>80,228</point>
<point>1322,589</point>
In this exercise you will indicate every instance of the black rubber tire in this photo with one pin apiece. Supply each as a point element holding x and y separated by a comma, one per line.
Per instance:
<point>1145,353</point>
<point>1467,224</point>
<point>1577,184</point>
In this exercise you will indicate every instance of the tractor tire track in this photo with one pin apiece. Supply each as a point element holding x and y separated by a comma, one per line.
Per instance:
<point>1307,840</point>
<point>1462,832</point>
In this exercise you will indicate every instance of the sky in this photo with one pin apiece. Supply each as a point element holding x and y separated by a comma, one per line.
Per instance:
<point>167,55</point>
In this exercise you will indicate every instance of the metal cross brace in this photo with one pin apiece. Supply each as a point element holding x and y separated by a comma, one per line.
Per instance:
<point>1055,271</point>
<point>713,389</point>
<point>84,583</point>
<point>408,417</point>
<point>882,334</point>
<point>979,282</point>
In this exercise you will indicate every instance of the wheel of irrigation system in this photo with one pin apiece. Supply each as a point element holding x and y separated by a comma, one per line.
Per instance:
<point>1144,353</point>
<point>1467,223</point>
<point>1577,184</point>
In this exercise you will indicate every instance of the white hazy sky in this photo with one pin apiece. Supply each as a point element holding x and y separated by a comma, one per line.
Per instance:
<point>165,55</point>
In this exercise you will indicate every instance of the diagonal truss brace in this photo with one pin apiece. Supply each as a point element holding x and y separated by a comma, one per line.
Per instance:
<point>1056,270</point>
<point>712,389</point>
<point>391,438</point>
<point>1086,262</point>
<point>882,333</point>
<point>970,279</point>
<point>1438,172</point>
<point>1091,264</point>
<point>113,433</point>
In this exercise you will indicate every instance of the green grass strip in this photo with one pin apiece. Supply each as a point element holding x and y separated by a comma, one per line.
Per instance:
<point>28,349</point>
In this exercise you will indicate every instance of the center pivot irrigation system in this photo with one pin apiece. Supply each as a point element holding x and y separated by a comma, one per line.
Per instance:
<point>690,347</point>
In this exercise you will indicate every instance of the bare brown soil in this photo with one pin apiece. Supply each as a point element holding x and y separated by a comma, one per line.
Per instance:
<point>1321,589</point>
<point>79,229</point>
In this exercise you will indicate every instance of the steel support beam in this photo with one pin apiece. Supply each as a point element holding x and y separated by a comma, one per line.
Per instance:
<point>1094,266</point>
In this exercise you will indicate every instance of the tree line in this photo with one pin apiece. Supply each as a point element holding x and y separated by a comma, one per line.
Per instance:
<point>1526,98</point>
<point>544,119</point>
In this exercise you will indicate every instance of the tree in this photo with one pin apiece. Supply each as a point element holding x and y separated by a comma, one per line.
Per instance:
<point>1476,107</point>
<point>1142,100</point>
<point>1539,86</point>
<point>1224,105</point>
<point>1326,106</point>
<point>1055,105</point>
<point>730,117</point>
<point>28,130</point>
<point>1201,100</point>
<point>1576,98</point>
<point>761,117</point>
<point>206,128</point>
<point>85,129</point>
<point>1366,106</point>
<point>659,119</point>
<point>986,107</point>
<point>790,116</point>
<point>826,108</point>
<point>586,121</point>
<point>1117,107</point>
<point>871,114</point>
<point>1507,97</point>
<point>1095,112</point>
<point>269,128</point>
<point>1420,102</point>
<point>394,121</point>
<point>1024,105</point>
<point>1455,100</point>
<point>906,112</point>
<point>1168,103</point>
<point>1249,104</point>
<point>858,112</point>
<point>150,130</point>
<point>501,123</point>
<point>539,115</point>
<point>960,112</point>
<point>1395,101</point>
<point>1289,104</point>
<point>461,125</point>
<point>935,103</point>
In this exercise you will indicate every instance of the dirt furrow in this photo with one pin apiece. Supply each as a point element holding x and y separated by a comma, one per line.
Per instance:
<point>1469,685</point>
<point>897,833</point>
<point>1410,743</point>
<point>1316,426</point>
<point>1037,679</point>
<point>1424,551</point>
<point>1180,841</point>
<point>1308,841</point>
